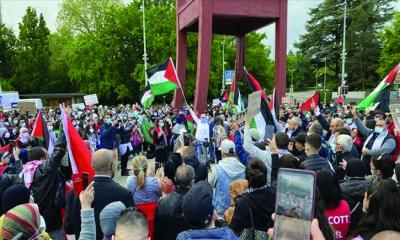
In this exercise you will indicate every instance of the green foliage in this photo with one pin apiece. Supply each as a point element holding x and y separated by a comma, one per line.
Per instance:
<point>324,39</point>
<point>33,55</point>
<point>390,55</point>
<point>7,53</point>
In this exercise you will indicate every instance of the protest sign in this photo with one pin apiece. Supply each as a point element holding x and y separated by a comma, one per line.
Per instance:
<point>91,99</point>
<point>254,103</point>
<point>216,102</point>
<point>78,106</point>
<point>395,112</point>
<point>26,106</point>
<point>240,119</point>
<point>9,100</point>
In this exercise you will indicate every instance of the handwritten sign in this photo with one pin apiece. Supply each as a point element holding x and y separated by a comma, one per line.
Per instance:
<point>254,103</point>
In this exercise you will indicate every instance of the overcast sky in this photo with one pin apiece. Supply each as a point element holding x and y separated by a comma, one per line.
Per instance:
<point>12,12</point>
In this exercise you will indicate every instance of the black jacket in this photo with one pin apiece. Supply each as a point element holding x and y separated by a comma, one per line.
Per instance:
<point>316,163</point>
<point>43,186</point>
<point>353,190</point>
<point>262,204</point>
<point>200,168</point>
<point>106,191</point>
<point>301,155</point>
<point>339,172</point>
<point>168,219</point>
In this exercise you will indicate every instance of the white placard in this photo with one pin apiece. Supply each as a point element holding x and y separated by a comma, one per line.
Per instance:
<point>91,99</point>
<point>78,106</point>
<point>9,100</point>
<point>216,102</point>
<point>254,103</point>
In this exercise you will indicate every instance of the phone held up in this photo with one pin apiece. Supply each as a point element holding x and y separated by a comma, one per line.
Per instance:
<point>295,203</point>
<point>80,182</point>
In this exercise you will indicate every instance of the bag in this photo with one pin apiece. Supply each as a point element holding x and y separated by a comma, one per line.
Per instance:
<point>252,233</point>
<point>59,200</point>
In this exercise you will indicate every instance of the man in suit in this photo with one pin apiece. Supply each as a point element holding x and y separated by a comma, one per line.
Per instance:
<point>295,127</point>
<point>106,191</point>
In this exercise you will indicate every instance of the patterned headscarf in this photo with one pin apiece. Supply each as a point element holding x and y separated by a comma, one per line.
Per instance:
<point>23,219</point>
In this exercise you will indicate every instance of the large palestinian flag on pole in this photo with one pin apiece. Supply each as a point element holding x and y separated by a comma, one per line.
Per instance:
<point>381,93</point>
<point>162,78</point>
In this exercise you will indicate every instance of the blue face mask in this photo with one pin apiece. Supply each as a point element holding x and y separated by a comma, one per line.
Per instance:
<point>349,121</point>
<point>379,129</point>
<point>109,121</point>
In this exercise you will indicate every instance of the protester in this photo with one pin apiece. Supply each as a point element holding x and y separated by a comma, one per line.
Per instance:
<point>379,141</point>
<point>106,191</point>
<point>336,208</point>
<point>259,199</point>
<point>382,167</point>
<point>294,127</point>
<point>108,218</point>
<point>23,222</point>
<point>13,196</point>
<point>168,220</point>
<point>343,147</point>
<point>236,188</point>
<point>382,210</point>
<point>131,224</point>
<point>224,173</point>
<point>189,157</point>
<point>314,161</point>
<point>198,211</point>
<point>88,227</point>
<point>353,188</point>
<point>144,189</point>
<point>298,148</point>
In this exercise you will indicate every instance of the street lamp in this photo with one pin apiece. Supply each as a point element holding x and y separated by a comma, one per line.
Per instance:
<point>343,75</point>
<point>144,42</point>
<point>325,82</point>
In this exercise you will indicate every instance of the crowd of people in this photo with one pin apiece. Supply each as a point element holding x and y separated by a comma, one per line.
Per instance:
<point>198,177</point>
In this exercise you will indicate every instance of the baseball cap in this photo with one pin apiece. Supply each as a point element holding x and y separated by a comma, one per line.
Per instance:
<point>227,146</point>
<point>197,205</point>
<point>109,216</point>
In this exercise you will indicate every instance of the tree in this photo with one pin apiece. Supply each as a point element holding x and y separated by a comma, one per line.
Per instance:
<point>390,55</point>
<point>33,55</point>
<point>324,38</point>
<point>7,53</point>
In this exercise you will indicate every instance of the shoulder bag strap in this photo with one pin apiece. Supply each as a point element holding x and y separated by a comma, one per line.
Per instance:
<point>250,211</point>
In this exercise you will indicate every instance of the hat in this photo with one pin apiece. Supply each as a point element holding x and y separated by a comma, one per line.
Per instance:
<point>24,219</point>
<point>355,168</point>
<point>109,216</point>
<point>197,205</point>
<point>14,196</point>
<point>255,134</point>
<point>227,146</point>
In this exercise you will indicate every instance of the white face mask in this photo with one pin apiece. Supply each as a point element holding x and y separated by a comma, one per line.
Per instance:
<point>7,135</point>
<point>161,124</point>
<point>91,130</point>
<point>50,128</point>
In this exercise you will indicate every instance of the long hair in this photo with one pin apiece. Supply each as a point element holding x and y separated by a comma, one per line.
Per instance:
<point>319,214</point>
<point>383,209</point>
<point>139,165</point>
<point>329,189</point>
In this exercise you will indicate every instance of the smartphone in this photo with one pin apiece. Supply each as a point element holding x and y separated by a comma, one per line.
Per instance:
<point>85,179</point>
<point>295,203</point>
<point>269,132</point>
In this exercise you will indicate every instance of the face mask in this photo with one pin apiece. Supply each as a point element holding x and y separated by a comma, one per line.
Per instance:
<point>50,128</point>
<point>379,129</point>
<point>25,135</point>
<point>161,124</point>
<point>91,130</point>
<point>14,131</point>
<point>349,121</point>
<point>7,135</point>
<point>308,115</point>
<point>23,125</point>
<point>6,124</point>
<point>109,121</point>
<point>15,122</point>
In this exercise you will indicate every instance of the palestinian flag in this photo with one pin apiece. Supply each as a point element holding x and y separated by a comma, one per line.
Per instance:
<point>381,93</point>
<point>190,125</point>
<point>310,103</point>
<point>40,131</point>
<point>79,154</point>
<point>264,118</point>
<point>147,98</point>
<point>235,99</point>
<point>162,78</point>
<point>225,95</point>
<point>147,126</point>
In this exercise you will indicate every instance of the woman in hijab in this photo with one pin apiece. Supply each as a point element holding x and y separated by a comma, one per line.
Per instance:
<point>23,222</point>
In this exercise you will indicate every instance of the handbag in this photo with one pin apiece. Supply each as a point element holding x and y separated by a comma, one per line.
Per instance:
<point>252,233</point>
